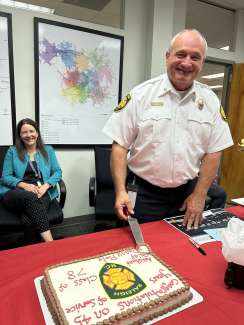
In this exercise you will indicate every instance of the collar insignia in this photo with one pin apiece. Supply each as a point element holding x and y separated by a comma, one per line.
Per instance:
<point>200,103</point>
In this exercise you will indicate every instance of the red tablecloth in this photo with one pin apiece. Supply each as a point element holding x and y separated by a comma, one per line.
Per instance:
<point>19,267</point>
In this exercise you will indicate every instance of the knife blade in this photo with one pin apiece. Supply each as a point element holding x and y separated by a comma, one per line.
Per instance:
<point>133,222</point>
<point>136,230</point>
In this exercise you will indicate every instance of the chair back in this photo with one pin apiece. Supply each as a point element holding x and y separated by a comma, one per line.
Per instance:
<point>102,163</point>
<point>3,150</point>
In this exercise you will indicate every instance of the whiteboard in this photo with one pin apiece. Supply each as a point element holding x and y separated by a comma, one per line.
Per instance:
<point>7,100</point>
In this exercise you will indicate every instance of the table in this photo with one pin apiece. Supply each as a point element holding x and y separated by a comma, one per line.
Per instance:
<point>19,267</point>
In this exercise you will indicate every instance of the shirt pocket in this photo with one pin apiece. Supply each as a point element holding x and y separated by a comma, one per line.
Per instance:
<point>156,124</point>
<point>199,129</point>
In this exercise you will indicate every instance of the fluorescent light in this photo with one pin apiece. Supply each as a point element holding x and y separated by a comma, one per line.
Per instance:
<point>214,76</point>
<point>226,48</point>
<point>216,87</point>
<point>27,6</point>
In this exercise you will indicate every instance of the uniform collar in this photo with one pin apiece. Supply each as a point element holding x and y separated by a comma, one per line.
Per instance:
<point>168,87</point>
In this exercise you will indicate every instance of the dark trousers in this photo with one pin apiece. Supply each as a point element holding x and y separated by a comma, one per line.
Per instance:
<point>217,195</point>
<point>35,209</point>
<point>156,203</point>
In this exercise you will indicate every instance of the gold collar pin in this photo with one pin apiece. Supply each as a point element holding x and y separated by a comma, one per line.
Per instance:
<point>200,103</point>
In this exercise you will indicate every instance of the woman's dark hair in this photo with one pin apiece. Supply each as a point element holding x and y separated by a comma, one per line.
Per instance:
<point>20,146</point>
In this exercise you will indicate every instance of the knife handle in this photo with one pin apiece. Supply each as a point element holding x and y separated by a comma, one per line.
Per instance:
<point>125,211</point>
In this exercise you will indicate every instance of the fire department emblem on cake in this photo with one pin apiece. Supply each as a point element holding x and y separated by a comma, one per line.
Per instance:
<point>119,281</point>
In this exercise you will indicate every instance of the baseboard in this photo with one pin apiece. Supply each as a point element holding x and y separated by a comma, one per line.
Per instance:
<point>74,226</point>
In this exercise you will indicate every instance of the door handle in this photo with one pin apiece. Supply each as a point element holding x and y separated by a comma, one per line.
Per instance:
<point>241,145</point>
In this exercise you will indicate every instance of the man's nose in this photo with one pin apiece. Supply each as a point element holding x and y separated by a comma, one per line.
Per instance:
<point>187,62</point>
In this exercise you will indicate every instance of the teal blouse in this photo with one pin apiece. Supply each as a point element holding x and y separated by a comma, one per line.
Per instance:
<point>14,170</point>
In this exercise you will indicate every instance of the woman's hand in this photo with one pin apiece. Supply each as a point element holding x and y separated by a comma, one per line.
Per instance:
<point>28,187</point>
<point>42,189</point>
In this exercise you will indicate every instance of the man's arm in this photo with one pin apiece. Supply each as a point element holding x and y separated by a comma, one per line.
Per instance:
<point>119,172</point>
<point>194,204</point>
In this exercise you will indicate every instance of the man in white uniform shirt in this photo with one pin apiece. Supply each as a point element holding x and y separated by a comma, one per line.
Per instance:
<point>174,130</point>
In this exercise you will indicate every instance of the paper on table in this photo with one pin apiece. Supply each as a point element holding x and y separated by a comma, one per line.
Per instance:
<point>197,298</point>
<point>214,233</point>
<point>239,201</point>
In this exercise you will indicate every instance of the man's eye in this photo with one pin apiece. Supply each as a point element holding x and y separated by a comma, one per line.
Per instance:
<point>180,55</point>
<point>195,58</point>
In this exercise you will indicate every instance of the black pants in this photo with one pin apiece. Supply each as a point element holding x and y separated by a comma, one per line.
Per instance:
<point>217,195</point>
<point>156,203</point>
<point>24,202</point>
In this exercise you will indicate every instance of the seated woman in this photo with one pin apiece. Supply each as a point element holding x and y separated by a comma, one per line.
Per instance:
<point>30,174</point>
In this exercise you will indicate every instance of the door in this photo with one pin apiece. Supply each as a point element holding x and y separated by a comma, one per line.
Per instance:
<point>232,167</point>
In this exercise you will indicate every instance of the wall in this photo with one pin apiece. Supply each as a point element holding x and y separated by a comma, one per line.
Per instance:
<point>77,165</point>
<point>149,26</point>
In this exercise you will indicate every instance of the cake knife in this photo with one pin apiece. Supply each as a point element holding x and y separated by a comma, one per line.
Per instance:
<point>133,222</point>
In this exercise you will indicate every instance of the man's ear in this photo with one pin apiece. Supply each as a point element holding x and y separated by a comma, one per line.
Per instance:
<point>167,54</point>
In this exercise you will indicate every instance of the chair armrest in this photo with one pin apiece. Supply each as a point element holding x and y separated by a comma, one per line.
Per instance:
<point>92,190</point>
<point>62,193</point>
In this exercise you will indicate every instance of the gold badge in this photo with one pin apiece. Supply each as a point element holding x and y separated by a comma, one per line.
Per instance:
<point>123,103</point>
<point>222,113</point>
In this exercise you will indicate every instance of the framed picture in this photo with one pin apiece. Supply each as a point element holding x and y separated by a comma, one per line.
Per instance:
<point>7,94</point>
<point>78,76</point>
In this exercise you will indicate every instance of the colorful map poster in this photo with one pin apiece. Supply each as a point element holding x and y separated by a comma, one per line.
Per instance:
<point>7,109</point>
<point>78,82</point>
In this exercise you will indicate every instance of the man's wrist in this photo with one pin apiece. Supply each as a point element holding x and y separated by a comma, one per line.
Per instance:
<point>200,193</point>
<point>119,191</point>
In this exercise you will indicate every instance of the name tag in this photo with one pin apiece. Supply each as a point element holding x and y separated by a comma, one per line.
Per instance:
<point>157,103</point>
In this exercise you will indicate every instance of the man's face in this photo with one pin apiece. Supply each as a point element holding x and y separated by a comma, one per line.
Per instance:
<point>185,60</point>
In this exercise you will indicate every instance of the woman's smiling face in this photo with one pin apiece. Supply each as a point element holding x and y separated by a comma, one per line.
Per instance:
<point>185,59</point>
<point>28,135</point>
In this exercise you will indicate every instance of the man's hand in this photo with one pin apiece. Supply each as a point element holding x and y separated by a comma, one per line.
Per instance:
<point>123,206</point>
<point>193,206</point>
<point>42,189</point>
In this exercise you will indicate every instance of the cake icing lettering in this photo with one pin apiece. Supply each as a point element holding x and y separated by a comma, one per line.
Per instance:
<point>101,313</point>
<point>139,259</point>
<point>76,279</point>
<point>88,279</point>
<point>115,257</point>
<point>92,302</point>
<point>161,274</point>
<point>62,286</point>
<point>82,320</point>
<point>166,287</point>
<point>138,300</point>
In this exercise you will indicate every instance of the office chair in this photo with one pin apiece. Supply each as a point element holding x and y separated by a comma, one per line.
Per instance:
<point>216,197</point>
<point>101,190</point>
<point>14,227</point>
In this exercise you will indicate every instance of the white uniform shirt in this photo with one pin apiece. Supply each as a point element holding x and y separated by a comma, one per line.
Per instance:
<point>167,136</point>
